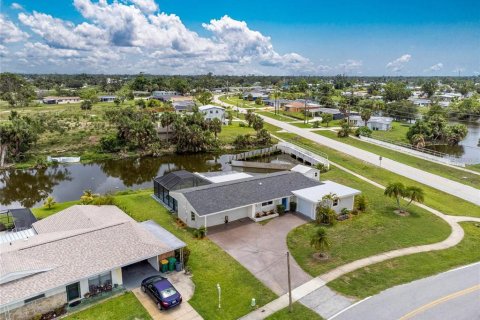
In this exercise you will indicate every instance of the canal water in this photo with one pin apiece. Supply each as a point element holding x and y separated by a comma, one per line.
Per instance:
<point>468,150</point>
<point>66,182</point>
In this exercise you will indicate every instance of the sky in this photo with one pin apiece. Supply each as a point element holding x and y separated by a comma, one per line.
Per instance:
<point>238,37</point>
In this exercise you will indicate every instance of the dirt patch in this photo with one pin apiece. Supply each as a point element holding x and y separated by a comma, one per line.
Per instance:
<point>401,213</point>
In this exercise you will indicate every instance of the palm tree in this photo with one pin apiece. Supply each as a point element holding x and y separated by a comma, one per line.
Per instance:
<point>395,190</point>
<point>320,241</point>
<point>166,120</point>
<point>87,197</point>
<point>414,194</point>
<point>365,114</point>
<point>328,199</point>
<point>215,126</point>
<point>49,203</point>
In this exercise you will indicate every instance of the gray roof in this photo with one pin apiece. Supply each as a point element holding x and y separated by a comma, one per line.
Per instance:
<point>239,193</point>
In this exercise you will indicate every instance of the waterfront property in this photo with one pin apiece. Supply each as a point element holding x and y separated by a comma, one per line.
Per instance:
<point>211,112</point>
<point>60,100</point>
<point>255,197</point>
<point>74,254</point>
<point>374,123</point>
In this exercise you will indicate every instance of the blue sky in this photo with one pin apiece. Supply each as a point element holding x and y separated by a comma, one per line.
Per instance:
<point>264,37</point>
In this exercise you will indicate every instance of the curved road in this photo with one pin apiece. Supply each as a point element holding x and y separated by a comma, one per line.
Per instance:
<point>446,185</point>
<point>452,295</point>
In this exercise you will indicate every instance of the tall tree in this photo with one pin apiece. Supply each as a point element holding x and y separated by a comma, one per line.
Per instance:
<point>215,126</point>
<point>396,91</point>
<point>365,114</point>
<point>430,87</point>
<point>395,190</point>
<point>15,90</point>
<point>414,194</point>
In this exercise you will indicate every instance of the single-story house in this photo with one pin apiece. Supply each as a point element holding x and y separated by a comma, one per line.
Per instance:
<point>253,95</point>
<point>222,202</point>
<point>337,115</point>
<point>277,102</point>
<point>211,112</point>
<point>374,123</point>
<point>181,179</point>
<point>163,95</point>
<point>308,198</point>
<point>183,105</point>
<point>72,253</point>
<point>421,102</point>
<point>299,106</point>
<point>60,100</point>
<point>107,98</point>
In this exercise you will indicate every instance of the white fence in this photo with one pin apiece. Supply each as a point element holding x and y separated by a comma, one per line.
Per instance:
<point>408,149</point>
<point>305,155</point>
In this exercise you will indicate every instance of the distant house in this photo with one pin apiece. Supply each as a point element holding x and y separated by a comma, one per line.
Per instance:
<point>107,98</point>
<point>278,102</point>
<point>183,106</point>
<point>421,102</point>
<point>211,112</point>
<point>163,95</point>
<point>253,95</point>
<point>299,106</point>
<point>374,123</point>
<point>73,253</point>
<point>222,202</point>
<point>60,100</point>
<point>337,115</point>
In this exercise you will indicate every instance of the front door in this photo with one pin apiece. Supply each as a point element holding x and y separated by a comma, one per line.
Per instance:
<point>73,291</point>
<point>285,203</point>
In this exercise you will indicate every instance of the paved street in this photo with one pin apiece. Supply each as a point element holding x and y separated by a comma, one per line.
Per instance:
<point>262,248</point>
<point>446,185</point>
<point>453,295</point>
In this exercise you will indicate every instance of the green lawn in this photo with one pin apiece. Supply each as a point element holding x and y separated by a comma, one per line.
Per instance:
<point>210,264</point>
<point>432,167</point>
<point>236,101</point>
<point>434,198</point>
<point>276,116</point>
<point>375,278</point>
<point>303,125</point>
<point>230,132</point>
<point>299,312</point>
<point>397,133</point>
<point>123,307</point>
<point>375,231</point>
<point>474,167</point>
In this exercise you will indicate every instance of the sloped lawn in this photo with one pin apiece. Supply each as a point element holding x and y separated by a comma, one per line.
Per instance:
<point>375,231</point>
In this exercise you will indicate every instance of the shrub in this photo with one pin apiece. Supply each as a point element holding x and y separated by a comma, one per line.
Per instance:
<point>325,215</point>
<point>110,144</point>
<point>202,232</point>
<point>316,124</point>
<point>345,211</point>
<point>363,131</point>
<point>103,200</point>
<point>242,125</point>
<point>293,206</point>
<point>361,203</point>
<point>322,167</point>
<point>186,255</point>
<point>280,209</point>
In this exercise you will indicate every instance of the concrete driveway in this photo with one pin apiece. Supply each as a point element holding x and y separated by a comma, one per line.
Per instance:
<point>262,249</point>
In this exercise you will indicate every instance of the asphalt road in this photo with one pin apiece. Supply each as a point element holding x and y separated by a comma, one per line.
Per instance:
<point>452,295</point>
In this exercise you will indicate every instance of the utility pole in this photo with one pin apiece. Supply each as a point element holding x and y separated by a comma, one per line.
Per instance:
<point>289,283</point>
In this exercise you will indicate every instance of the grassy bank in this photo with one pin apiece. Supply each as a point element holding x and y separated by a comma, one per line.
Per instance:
<point>375,231</point>
<point>123,307</point>
<point>398,132</point>
<point>299,312</point>
<point>375,278</point>
<point>432,167</point>
<point>210,264</point>
<point>434,198</point>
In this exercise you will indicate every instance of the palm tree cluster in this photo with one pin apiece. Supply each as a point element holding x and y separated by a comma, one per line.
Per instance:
<point>398,190</point>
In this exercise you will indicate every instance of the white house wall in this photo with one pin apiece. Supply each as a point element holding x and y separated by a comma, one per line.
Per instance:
<point>344,203</point>
<point>306,208</point>
<point>234,214</point>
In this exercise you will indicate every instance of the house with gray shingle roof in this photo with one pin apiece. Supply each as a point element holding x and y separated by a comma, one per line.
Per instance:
<point>71,253</point>
<point>254,197</point>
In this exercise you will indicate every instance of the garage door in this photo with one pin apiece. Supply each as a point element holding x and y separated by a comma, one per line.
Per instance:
<point>305,208</point>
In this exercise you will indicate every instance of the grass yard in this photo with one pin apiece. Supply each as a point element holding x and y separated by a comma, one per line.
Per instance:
<point>378,277</point>
<point>300,312</point>
<point>474,167</point>
<point>397,133</point>
<point>434,198</point>
<point>432,167</point>
<point>236,101</point>
<point>230,132</point>
<point>375,231</point>
<point>123,307</point>
<point>276,116</point>
<point>210,264</point>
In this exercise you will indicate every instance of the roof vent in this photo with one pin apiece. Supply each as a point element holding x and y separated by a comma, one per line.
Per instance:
<point>260,183</point>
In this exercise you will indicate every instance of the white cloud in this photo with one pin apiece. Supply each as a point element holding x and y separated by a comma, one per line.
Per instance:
<point>147,6</point>
<point>435,67</point>
<point>350,65</point>
<point>16,6</point>
<point>398,64</point>
<point>9,32</point>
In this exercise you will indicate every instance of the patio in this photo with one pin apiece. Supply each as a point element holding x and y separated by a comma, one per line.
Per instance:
<point>262,249</point>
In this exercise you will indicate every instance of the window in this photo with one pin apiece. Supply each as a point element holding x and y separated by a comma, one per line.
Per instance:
<point>264,204</point>
<point>211,111</point>
<point>40,296</point>
<point>216,111</point>
<point>73,291</point>
<point>335,202</point>
<point>100,280</point>
<point>192,216</point>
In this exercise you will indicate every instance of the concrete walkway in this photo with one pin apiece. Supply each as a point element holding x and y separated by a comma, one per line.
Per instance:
<point>262,249</point>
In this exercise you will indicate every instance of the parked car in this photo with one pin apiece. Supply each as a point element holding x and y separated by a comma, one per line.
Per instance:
<point>162,292</point>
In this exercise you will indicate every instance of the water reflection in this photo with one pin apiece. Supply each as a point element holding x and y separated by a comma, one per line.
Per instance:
<point>28,187</point>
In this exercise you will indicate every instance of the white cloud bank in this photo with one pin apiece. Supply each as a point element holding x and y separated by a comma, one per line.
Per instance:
<point>435,67</point>
<point>133,36</point>
<point>399,63</point>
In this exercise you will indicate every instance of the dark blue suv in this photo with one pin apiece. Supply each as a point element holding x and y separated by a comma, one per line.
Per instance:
<point>162,292</point>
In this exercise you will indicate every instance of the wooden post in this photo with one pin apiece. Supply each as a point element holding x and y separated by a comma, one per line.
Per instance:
<point>289,283</point>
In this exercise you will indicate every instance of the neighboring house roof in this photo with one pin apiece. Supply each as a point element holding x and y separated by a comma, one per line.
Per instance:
<point>209,106</point>
<point>60,98</point>
<point>181,179</point>
<point>329,110</point>
<point>234,194</point>
<point>316,193</point>
<point>66,251</point>
<point>23,218</point>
